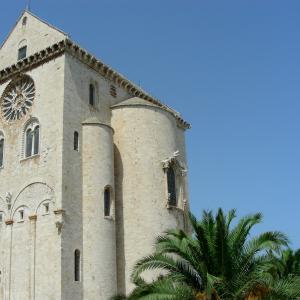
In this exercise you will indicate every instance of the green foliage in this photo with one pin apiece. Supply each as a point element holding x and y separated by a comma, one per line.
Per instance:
<point>219,261</point>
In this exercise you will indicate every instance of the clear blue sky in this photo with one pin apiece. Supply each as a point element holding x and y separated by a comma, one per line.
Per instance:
<point>232,68</point>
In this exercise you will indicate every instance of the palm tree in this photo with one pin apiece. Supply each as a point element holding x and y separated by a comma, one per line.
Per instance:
<point>216,261</point>
<point>288,263</point>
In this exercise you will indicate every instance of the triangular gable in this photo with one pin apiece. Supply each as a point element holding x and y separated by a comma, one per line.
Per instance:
<point>36,34</point>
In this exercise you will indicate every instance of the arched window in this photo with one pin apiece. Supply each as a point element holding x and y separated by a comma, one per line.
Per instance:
<point>1,149</point>
<point>32,138</point>
<point>76,141</point>
<point>22,49</point>
<point>171,178</point>
<point>92,94</point>
<point>107,201</point>
<point>24,21</point>
<point>77,265</point>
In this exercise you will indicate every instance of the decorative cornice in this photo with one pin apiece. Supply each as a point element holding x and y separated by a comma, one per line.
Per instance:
<point>32,61</point>
<point>107,72</point>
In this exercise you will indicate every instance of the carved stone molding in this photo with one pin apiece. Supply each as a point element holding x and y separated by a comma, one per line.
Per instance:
<point>68,46</point>
<point>173,160</point>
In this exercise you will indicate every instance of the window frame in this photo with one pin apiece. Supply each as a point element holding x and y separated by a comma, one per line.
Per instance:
<point>76,141</point>
<point>107,209</point>
<point>77,265</point>
<point>172,187</point>
<point>92,94</point>
<point>3,150</point>
<point>33,125</point>
<point>22,52</point>
<point>179,171</point>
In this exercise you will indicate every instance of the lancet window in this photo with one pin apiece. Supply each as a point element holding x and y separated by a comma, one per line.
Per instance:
<point>32,138</point>
<point>1,150</point>
<point>107,201</point>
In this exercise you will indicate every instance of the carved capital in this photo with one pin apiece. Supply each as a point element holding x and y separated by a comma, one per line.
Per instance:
<point>33,218</point>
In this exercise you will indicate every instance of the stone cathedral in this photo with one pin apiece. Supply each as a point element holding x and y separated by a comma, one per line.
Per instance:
<point>92,169</point>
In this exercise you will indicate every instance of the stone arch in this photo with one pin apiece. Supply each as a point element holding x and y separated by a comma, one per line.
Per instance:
<point>25,208</point>
<point>22,43</point>
<point>44,201</point>
<point>32,195</point>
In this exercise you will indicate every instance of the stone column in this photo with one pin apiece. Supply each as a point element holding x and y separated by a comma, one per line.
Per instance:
<point>99,249</point>
<point>32,219</point>
<point>10,232</point>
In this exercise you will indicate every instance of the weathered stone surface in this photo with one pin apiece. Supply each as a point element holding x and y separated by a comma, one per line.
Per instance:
<point>124,142</point>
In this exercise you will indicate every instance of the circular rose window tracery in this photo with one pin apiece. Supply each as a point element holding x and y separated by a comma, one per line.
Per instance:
<point>17,98</point>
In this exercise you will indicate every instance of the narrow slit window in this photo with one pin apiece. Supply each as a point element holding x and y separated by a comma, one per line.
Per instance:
<point>22,52</point>
<point>92,95</point>
<point>21,215</point>
<point>76,141</point>
<point>107,202</point>
<point>171,178</point>
<point>29,139</point>
<point>24,21</point>
<point>77,265</point>
<point>1,151</point>
<point>46,208</point>
<point>36,134</point>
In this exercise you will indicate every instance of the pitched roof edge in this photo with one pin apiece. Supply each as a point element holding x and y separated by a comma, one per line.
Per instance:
<point>109,73</point>
<point>38,18</point>
<point>46,23</point>
<point>85,57</point>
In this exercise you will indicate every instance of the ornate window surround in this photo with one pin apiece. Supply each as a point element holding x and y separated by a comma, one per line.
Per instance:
<point>180,172</point>
<point>31,124</point>
<point>17,98</point>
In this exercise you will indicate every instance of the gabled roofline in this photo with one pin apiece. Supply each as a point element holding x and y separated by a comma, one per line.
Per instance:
<point>68,46</point>
<point>38,18</point>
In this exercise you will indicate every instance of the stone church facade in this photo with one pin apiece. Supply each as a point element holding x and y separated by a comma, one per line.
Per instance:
<point>92,169</point>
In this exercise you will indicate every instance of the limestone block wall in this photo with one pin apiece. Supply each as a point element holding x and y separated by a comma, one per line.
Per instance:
<point>36,34</point>
<point>27,245</point>
<point>78,232</point>
<point>145,135</point>
<point>99,240</point>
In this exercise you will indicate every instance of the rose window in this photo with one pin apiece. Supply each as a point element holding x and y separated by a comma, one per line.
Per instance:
<point>17,98</point>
